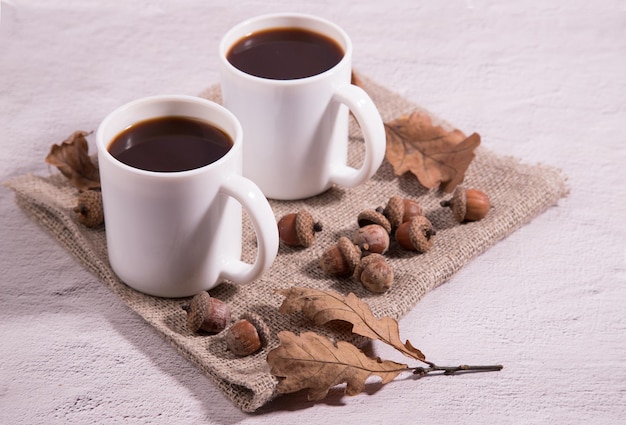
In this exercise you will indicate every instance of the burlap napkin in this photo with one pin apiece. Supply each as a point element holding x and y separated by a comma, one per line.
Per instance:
<point>518,193</point>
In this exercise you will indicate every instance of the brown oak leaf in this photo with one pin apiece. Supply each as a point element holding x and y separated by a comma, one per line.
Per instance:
<point>323,306</point>
<point>311,361</point>
<point>72,159</point>
<point>436,156</point>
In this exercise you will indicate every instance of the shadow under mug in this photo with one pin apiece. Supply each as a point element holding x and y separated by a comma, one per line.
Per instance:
<point>174,234</point>
<point>297,129</point>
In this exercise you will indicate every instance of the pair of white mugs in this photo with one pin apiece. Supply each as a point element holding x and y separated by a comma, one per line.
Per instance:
<point>176,234</point>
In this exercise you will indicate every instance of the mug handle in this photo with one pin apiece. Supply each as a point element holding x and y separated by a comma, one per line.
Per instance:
<point>260,212</point>
<point>368,118</point>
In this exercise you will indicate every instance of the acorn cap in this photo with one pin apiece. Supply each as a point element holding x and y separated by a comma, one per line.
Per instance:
<point>89,211</point>
<point>196,311</point>
<point>350,251</point>
<point>457,203</point>
<point>341,258</point>
<point>207,314</point>
<point>367,217</point>
<point>421,233</point>
<point>394,211</point>
<point>306,228</point>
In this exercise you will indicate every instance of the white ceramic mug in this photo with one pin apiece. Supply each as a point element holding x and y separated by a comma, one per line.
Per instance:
<point>297,130</point>
<point>174,234</point>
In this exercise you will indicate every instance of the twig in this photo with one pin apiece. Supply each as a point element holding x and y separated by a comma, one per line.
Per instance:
<point>450,370</point>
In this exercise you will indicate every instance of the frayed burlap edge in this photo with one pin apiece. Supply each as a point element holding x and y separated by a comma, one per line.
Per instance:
<point>518,193</point>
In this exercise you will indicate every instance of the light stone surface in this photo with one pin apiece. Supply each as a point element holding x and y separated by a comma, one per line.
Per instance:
<point>542,81</point>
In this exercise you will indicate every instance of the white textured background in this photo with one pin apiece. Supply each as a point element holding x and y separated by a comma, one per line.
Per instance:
<point>543,81</point>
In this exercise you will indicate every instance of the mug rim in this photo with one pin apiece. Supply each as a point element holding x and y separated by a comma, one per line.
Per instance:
<point>225,45</point>
<point>103,145</point>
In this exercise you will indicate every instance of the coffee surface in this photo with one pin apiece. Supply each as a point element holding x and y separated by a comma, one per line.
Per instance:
<point>285,54</point>
<point>170,144</point>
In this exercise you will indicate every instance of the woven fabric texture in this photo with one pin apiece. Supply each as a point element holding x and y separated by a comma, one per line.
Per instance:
<point>518,193</point>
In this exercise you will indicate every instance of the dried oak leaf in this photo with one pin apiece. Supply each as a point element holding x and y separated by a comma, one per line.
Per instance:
<point>311,361</point>
<point>436,156</point>
<point>72,159</point>
<point>323,306</point>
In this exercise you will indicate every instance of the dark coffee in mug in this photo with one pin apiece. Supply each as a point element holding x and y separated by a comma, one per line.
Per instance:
<point>170,144</point>
<point>285,53</point>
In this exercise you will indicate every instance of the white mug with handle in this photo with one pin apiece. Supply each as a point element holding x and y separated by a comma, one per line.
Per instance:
<point>174,234</point>
<point>296,126</point>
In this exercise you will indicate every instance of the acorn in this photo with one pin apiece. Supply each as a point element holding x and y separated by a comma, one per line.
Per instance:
<point>367,217</point>
<point>374,273</point>
<point>89,211</point>
<point>242,338</point>
<point>207,313</point>
<point>399,210</point>
<point>416,234</point>
<point>468,204</point>
<point>298,229</point>
<point>340,259</point>
<point>371,239</point>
